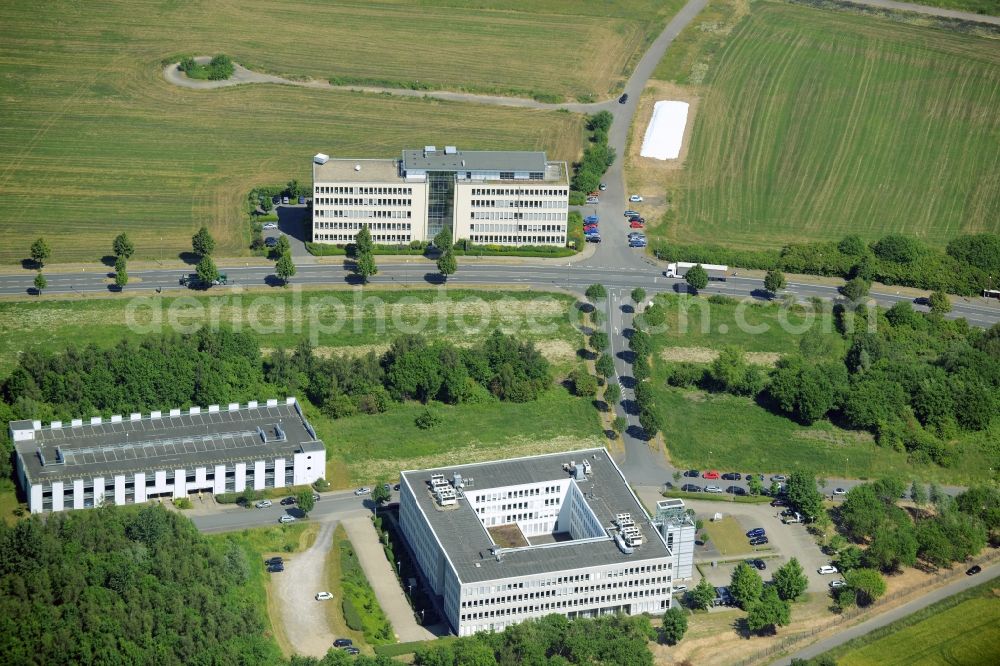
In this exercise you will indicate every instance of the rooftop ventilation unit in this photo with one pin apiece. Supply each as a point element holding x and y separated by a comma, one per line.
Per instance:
<point>321,158</point>
<point>578,473</point>
<point>357,167</point>
<point>456,480</point>
<point>41,457</point>
<point>586,467</point>
<point>450,150</point>
<point>622,546</point>
<point>429,150</point>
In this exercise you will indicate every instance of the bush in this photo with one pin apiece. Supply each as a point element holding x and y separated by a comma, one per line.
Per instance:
<point>427,420</point>
<point>351,615</point>
<point>896,247</point>
<point>685,375</point>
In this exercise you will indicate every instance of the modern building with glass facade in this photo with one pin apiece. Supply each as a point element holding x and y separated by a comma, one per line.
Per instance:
<point>130,460</point>
<point>487,197</point>
<point>500,542</point>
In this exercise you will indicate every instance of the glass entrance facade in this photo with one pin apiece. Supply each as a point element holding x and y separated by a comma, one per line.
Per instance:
<point>440,201</point>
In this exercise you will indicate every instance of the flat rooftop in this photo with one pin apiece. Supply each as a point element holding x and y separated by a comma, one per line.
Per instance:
<point>467,543</point>
<point>183,441</point>
<point>345,171</point>
<point>473,160</point>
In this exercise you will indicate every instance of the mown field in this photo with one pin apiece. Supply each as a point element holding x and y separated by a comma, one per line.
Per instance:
<point>730,432</point>
<point>963,630</point>
<point>94,141</point>
<point>814,124</point>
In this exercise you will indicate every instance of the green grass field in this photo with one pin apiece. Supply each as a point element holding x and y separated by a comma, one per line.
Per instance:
<point>963,630</point>
<point>735,433</point>
<point>94,142</point>
<point>814,124</point>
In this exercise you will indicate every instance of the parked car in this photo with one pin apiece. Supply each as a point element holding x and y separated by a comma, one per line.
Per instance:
<point>591,219</point>
<point>343,642</point>
<point>270,225</point>
<point>631,213</point>
<point>713,489</point>
<point>352,651</point>
<point>691,488</point>
<point>274,560</point>
<point>710,474</point>
<point>635,225</point>
<point>284,200</point>
<point>637,242</point>
<point>396,487</point>
<point>692,473</point>
<point>323,596</point>
<point>302,200</point>
<point>364,490</point>
<point>755,532</point>
<point>276,200</point>
<point>759,565</point>
<point>287,501</point>
<point>286,519</point>
<point>276,568</point>
<point>637,218</point>
<point>603,187</point>
<point>593,200</point>
<point>388,487</point>
<point>827,569</point>
<point>263,504</point>
<point>788,512</point>
<point>623,98</point>
<point>838,583</point>
<point>736,490</point>
<point>271,242</point>
<point>591,228</point>
<point>758,541</point>
<point>779,502</point>
<point>751,475</point>
<point>316,497</point>
<point>972,571</point>
<point>635,198</point>
<point>778,477</point>
<point>680,588</point>
<point>839,491</point>
<point>732,476</point>
<point>593,238</point>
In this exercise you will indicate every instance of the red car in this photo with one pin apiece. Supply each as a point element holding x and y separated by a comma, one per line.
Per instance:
<point>636,225</point>
<point>711,474</point>
<point>636,218</point>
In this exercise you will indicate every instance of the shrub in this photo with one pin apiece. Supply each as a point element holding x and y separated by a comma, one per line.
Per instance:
<point>427,420</point>
<point>351,615</point>
<point>896,247</point>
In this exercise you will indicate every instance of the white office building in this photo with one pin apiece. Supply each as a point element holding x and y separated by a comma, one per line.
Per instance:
<point>500,542</point>
<point>486,197</point>
<point>132,459</point>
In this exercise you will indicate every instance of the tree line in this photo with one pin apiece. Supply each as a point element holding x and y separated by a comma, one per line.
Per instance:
<point>597,157</point>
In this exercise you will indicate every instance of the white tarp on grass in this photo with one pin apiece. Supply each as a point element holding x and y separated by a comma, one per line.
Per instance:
<point>666,131</point>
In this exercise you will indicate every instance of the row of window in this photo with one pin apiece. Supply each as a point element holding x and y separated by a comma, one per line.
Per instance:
<point>358,201</point>
<point>510,215</point>
<point>568,603</point>
<point>639,570</point>
<point>361,189</point>
<point>365,214</point>
<point>483,239</point>
<point>514,192</point>
<point>487,227</point>
<point>563,592</point>
<point>349,238</point>
<point>356,226</point>
<point>516,203</point>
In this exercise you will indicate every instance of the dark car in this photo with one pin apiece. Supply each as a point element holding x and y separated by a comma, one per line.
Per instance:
<point>593,238</point>
<point>271,241</point>
<point>758,541</point>
<point>287,501</point>
<point>302,200</point>
<point>691,488</point>
<point>343,642</point>
<point>736,490</point>
<point>352,650</point>
<point>692,473</point>
<point>276,568</point>
<point>396,487</point>
<point>759,565</point>
<point>274,560</point>
<point>732,476</point>
<point>779,502</point>
<point>751,475</point>
<point>623,98</point>
<point>974,570</point>
<point>755,532</point>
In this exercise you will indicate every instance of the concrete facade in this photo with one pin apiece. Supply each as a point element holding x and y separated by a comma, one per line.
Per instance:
<point>505,541</point>
<point>130,461</point>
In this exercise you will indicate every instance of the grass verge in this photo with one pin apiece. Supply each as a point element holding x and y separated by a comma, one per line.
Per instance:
<point>360,607</point>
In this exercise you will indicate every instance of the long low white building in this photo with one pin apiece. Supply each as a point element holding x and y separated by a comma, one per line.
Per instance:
<point>132,459</point>
<point>504,541</point>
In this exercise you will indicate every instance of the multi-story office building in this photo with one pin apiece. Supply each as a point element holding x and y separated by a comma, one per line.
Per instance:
<point>129,460</point>
<point>504,541</point>
<point>487,197</point>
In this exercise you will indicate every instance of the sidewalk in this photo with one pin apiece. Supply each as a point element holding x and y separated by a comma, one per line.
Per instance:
<point>379,573</point>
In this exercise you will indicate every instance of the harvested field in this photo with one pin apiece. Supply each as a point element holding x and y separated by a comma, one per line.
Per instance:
<point>706,355</point>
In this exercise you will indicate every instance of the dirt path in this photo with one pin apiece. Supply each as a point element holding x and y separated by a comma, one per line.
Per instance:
<point>383,581</point>
<point>303,617</point>
<point>931,11</point>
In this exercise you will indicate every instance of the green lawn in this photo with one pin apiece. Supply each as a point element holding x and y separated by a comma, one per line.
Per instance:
<point>358,319</point>
<point>963,630</point>
<point>815,124</point>
<point>728,537</point>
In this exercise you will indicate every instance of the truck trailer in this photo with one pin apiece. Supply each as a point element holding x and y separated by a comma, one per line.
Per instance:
<point>679,269</point>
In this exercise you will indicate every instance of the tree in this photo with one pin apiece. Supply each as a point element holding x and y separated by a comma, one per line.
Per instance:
<point>121,273</point>
<point>122,246</point>
<point>939,303</point>
<point>285,268</point>
<point>852,245</point>
<point>746,585</point>
<point>584,383</point>
<point>363,241</point>
<point>595,293</point>
<point>754,485</point>
<point>935,495</point>
<point>293,189</point>
<point>612,394</point>
<point>868,584</point>
<point>790,581</point>
<point>40,251</point>
<point>731,373</point>
<point>40,283</point>
<point>605,365</point>
<point>446,264</point>
<point>638,295</point>
<point>206,270</point>
<point>640,343</point>
<point>774,281</point>
<point>619,425</point>
<point>918,494</point>
<point>599,340</point>
<point>202,243</point>
<point>897,248</point>
<point>380,494</point>
<point>305,501</point>
<point>768,612</point>
<point>702,596</point>
<point>849,558</point>
<point>443,240</point>
<point>804,496</point>
<point>855,290</point>
<point>364,266</point>
<point>675,623</point>
<point>649,420</point>
<point>696,278</point>
<point>282,248</point>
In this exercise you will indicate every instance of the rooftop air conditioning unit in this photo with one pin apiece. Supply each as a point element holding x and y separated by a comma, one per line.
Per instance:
<point>450,150</point>
<point>321,158</point>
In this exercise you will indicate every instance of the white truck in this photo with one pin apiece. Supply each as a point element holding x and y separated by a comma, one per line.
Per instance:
<point>679,268</point>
